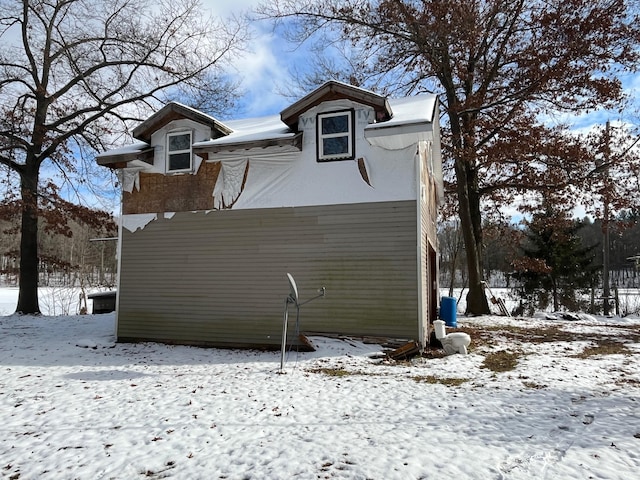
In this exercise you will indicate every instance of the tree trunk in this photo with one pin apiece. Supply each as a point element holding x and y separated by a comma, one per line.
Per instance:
<point>470,221</point>
<point>28,293</point>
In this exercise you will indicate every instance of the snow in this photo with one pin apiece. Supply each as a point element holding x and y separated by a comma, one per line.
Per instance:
<point>126,149</point>
<point>410,110</point>
<point>75,404</point>
<point>252,129</point>
<point>418,109</point>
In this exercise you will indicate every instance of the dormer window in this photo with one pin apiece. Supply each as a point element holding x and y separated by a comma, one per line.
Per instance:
<point>336,136</point>
<point>179,152</point>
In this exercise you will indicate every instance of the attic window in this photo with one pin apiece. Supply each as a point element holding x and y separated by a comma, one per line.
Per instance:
<point>335,136</point>
<point>179,152</point>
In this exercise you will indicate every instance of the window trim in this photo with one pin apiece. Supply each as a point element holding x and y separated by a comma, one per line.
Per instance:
<point>350,134</point>
<point>168,168</point>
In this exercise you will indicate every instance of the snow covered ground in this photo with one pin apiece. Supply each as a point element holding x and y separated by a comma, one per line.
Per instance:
<point>76,405</point>
<point>53,300</point>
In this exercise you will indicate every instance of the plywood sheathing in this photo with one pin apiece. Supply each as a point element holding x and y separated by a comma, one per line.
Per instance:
<point>173,193</point>
<point>362,167</point>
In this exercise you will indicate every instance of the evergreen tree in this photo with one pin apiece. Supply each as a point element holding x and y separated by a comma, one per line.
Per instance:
<point>555,265</point>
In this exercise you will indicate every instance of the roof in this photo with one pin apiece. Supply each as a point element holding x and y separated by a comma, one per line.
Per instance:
<point>333,90</point>
<point>115,158</point>
<point>173,111</point>
<point>252,133</point>
<point>410,110</point>
<point>268,131</point>
<point>402,116</point>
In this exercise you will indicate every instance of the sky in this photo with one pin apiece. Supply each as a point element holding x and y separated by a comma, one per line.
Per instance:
<point>264,67</point>
<point>76,404</point>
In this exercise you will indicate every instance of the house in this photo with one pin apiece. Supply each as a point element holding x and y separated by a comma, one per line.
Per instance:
<point>340,190</point>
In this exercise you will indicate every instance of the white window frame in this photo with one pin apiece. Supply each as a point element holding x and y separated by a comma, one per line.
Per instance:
<point>350,134</point>
<point>176,152</point>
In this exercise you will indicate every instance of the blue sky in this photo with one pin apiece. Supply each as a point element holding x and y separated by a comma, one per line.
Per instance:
<point>264,68</point>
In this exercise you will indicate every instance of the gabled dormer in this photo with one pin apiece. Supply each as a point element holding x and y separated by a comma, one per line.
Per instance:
<point>166,141</point>
<point>331,117</point>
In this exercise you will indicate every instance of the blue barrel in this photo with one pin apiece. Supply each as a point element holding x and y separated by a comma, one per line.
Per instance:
<point>448,307</point>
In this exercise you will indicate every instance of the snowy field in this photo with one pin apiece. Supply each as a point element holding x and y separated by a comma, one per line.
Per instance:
<point>76,405</point>
<point>53,300</point>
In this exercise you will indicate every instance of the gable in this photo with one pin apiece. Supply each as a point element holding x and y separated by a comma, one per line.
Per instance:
<point>176,111</point>
<point>331,91</point>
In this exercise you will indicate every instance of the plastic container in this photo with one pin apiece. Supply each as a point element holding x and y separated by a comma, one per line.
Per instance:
<point>448,306</point>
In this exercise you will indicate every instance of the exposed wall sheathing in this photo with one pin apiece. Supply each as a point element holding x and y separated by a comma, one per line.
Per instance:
<point>173,193</point>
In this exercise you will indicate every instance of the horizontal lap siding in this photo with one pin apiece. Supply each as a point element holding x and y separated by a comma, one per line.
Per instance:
<point>218,278</point>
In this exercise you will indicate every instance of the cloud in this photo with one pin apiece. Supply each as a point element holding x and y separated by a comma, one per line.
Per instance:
<point>225,8</point>
<point>263,70</point>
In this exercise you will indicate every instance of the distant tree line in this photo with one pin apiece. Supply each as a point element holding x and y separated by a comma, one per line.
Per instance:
<point>83,254</point>
<point>550,260</point>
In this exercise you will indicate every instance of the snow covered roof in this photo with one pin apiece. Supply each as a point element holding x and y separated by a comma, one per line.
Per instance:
<point>250,133</point>
<point>134,148</point>
<point>333,90</point>
<point>416,111</point>
<point>410,110</point>
<point>128,153</point>
<point>414,118</point>
<point>398,122</point>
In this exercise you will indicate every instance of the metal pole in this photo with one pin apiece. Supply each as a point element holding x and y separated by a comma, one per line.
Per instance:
<point>605,226</point>
<point>293,298</point>
<point>284,334</point>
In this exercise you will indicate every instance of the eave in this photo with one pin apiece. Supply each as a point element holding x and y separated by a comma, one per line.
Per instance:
<point>287,144</point>
<point>120,160</point>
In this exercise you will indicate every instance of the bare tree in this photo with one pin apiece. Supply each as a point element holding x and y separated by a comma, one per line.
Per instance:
<point>74,72</point>
<point>501,67</point>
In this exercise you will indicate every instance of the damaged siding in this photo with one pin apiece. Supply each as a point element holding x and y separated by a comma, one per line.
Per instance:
<point>218,278</point>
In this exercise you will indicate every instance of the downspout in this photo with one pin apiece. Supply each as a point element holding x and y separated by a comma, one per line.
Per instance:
<point>119,256</point>
<point>420,283</point>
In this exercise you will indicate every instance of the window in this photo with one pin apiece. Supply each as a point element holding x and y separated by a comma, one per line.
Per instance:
<point>179,152</point>
<point>335,136</point>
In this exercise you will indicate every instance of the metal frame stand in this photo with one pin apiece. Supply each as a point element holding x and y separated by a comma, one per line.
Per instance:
<point>293,299</point>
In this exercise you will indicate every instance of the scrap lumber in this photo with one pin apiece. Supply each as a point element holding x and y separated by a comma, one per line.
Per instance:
<point>405,351</point>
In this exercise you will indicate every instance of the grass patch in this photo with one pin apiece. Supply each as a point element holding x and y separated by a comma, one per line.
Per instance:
<point>628,381</point>
<point>489,335</point>
<point>331,372</point>
<point>502,361</point>
<point>534,386</point>
<point>604,347</point>
<point>451,382</point>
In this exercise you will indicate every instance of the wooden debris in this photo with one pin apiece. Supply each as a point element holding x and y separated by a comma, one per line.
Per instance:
<point>305,344</point>
<point>406,351</point>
